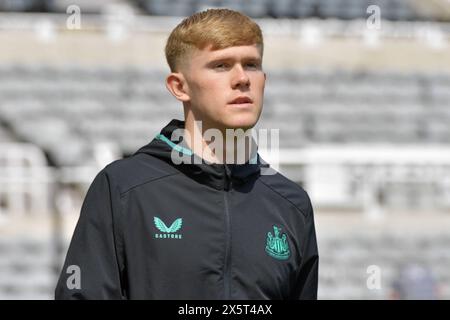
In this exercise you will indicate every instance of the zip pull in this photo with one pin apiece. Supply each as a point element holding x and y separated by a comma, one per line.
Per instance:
<point>228,180</point>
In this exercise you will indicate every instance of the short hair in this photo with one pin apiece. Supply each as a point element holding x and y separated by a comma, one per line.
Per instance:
<point>220,28</point>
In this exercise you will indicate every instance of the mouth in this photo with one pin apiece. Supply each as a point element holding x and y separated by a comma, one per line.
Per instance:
<point>241,100</point>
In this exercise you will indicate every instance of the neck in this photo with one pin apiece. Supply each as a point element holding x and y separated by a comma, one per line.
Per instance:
<point>219,145</point>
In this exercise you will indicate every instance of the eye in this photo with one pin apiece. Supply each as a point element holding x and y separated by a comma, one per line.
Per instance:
<point>221,65</point>
<point>252,65</point>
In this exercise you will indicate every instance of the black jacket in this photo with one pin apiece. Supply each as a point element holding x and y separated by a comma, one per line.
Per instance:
<point>150,229</point>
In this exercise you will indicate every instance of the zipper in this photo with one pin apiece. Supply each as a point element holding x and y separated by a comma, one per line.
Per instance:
<point>227,267</point>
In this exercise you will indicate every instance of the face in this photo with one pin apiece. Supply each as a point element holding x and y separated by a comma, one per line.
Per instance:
<point>225,88</point>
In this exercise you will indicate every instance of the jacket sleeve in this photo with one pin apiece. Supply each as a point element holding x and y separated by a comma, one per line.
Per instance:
<point>307,278</point>
<point>92,269</point>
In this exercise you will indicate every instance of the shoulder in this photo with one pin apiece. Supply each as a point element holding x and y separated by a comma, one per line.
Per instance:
<point>135,170</point>
<point>288,190</point>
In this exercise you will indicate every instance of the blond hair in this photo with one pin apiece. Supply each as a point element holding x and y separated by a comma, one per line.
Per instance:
<point>220,28</point>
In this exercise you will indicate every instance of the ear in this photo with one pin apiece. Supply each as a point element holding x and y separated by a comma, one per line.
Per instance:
<point>177,85</point>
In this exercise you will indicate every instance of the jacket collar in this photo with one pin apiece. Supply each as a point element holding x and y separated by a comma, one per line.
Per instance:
<point>217,176</point>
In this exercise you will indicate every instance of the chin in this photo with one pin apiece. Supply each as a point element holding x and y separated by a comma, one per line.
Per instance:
<point>241,123</point>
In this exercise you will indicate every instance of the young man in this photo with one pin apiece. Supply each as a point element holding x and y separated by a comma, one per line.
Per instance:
<point>213,227</point>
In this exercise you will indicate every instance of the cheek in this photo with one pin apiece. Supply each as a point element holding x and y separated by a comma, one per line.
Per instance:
<point>207,100</point>
<point>199,91</point>
<point>259,87</point>
<point>259,81</point>
<point>212,91</point>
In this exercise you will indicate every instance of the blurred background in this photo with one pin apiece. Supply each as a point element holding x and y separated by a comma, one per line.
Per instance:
<point>359,89</point>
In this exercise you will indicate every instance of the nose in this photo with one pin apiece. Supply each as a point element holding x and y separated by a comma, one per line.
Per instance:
<point>240,77</point>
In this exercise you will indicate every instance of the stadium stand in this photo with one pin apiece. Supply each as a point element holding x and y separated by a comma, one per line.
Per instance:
<point>396,10</point>
<point>84,105</point>
<point>27,267</point>
<point>83,99</point>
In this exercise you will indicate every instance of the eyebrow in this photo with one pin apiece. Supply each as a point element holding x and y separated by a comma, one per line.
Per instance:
<point>228,58</point>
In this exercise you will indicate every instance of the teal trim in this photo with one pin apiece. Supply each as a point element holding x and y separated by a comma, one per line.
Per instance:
<point>189,152</point>
<point>173,145</point>
<point>254,160</point>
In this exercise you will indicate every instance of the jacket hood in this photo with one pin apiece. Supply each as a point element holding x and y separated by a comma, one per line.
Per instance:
<point>218,176</point>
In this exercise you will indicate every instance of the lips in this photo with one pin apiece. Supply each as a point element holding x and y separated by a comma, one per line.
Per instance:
<point>241,100</point>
